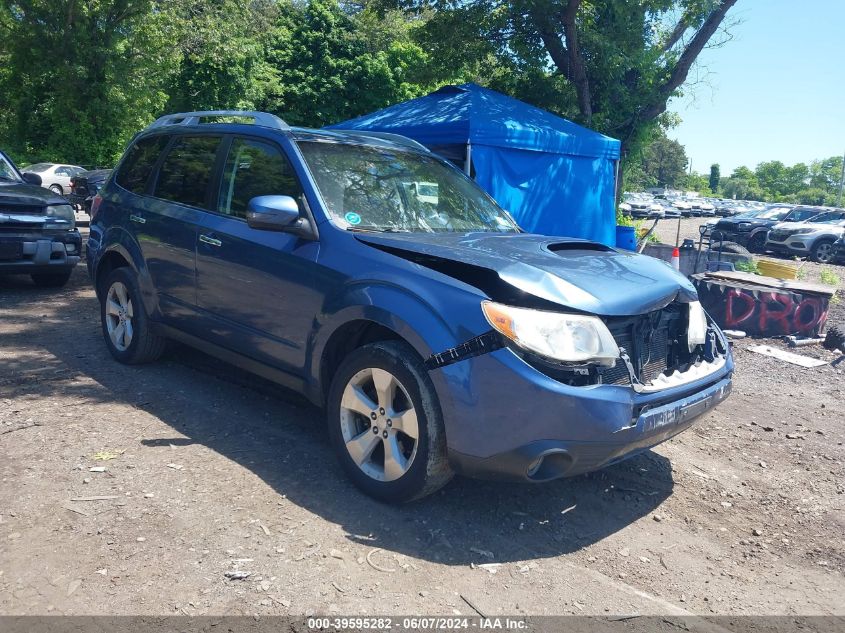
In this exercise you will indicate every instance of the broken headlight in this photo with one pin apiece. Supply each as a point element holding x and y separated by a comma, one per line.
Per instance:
<point>563,337</point>
<point>697,328</point>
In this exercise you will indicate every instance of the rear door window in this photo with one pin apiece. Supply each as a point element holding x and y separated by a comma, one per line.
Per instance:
<point>187,170</point>
<point>135,170</point>
<point>254,168</point>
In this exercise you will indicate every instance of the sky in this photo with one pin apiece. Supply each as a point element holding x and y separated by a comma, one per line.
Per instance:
<point>776,91</point>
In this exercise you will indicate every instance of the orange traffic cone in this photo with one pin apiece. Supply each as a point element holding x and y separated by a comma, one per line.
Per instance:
<point>676,259</point>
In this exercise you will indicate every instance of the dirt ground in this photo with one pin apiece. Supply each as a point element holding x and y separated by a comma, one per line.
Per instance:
<point>213,471</point>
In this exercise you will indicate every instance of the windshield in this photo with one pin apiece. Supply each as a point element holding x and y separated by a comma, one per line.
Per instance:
<point>37,168</point>
<point>777,213</point>
<point>378,189</point>
<point>7,170</point>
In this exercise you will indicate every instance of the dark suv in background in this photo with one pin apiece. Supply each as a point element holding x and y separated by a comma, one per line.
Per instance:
<point>752,227</point>
<point>38,236</point>
<point>377,279</point>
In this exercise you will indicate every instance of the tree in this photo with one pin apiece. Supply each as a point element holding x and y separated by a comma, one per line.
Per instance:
<point>221,55</point>
<point>609,64</point>
<point>328,70</point>
<point>665,160</point>
<point>82,76</point>
<point>715,176</point>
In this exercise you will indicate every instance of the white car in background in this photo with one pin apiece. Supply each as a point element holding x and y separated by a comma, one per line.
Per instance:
<point>55,177</point>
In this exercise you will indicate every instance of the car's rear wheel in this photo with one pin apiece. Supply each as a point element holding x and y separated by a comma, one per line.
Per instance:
<point>51,280</point>
<point>126,327</point>
<point>822,252</point>
<point>386,425</point>
<point>57,189</point>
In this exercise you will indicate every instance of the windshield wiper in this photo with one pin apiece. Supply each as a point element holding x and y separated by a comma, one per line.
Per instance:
<point>358,229</point>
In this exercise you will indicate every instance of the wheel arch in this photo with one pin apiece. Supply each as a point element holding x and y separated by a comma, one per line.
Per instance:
<point>360,318</point>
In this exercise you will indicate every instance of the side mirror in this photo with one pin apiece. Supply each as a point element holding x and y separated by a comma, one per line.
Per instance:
<point>272,213</point>
<point>31,178</point>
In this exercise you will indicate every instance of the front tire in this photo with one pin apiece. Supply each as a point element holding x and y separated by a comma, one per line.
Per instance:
<point>757,243</point>
<point>822,252</point>
<point>57,189</point>
<point>126,326</point>
<point>385,423</point>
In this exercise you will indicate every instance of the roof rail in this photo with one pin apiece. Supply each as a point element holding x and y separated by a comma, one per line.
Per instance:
<point>387,136</point>
<point>263,119</point>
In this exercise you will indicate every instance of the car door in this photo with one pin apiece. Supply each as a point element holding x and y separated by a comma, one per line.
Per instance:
<point>254,287</point>
<point>165,222</point>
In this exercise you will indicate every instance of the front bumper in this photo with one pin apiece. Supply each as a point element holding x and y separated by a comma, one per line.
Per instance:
<point>739,237</point>
<point>507,420</point>
<point>792,245</point>
<point>35,252</point>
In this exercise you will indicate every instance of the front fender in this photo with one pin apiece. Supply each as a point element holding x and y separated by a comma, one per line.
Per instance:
<point>429,324</point>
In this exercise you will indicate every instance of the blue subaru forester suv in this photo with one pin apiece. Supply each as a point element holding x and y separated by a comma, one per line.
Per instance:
<point>374,277</point>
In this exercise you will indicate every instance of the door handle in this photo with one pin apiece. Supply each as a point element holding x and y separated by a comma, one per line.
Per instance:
<point>205,239</point>
<point>138,219</point>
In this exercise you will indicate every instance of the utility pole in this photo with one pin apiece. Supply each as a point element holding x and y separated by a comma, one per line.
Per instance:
<point>841,183</point>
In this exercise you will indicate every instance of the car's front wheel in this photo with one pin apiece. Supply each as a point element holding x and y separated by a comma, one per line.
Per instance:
<point>57,189</point>
<point>126,326</point>
<point>822,252</point>
<point>386,425</point>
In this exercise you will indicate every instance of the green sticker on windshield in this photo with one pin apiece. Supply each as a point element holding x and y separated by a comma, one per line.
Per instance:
<point>352,218</point>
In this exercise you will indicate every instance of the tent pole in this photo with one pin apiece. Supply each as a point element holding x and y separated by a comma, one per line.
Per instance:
<point>468,160</point>
<point>616,183</point>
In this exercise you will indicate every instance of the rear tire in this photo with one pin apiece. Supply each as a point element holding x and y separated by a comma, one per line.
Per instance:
<point>126,326</point>
<point>380,398</point>
<point>51,280</point>
<point>57,189</point>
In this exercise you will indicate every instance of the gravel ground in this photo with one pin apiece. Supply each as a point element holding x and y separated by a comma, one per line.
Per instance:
<point>212,471</point>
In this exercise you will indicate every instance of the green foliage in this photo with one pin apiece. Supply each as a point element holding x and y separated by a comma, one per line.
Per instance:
<point>829,278</point>
<point>715,177</point>
<point>79,79</point>
<point>747,266</point>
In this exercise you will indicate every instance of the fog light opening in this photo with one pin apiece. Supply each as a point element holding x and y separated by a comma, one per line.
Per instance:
<point>550,465</point>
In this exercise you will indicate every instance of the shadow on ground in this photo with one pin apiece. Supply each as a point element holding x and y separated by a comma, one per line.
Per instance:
<point>280,437</point>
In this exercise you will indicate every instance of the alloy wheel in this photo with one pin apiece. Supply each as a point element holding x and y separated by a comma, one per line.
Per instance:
<point>379,424</point>
<point>824,253</point>
<point>119,315</point>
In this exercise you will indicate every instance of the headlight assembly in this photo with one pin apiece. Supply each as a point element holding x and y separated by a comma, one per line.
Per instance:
<point>563,337</point>
<point>61,213</point>
<point>697,325</point>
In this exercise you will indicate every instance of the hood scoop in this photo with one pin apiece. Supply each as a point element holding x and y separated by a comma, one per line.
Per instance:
<point>558,247</point>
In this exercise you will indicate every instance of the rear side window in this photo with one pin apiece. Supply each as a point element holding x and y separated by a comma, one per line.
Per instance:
<point>186,171</point>
<point>136,167</point>
<point>254,168</point>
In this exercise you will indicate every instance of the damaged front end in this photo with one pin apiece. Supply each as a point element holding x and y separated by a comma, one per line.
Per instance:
<point>655,351</point>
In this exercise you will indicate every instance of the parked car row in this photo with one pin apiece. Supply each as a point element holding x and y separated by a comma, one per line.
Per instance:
<point>802,231</point>
<point>674,205</point>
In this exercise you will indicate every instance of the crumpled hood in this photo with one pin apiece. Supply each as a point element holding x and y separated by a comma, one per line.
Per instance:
<point>24,194</point>
<point>577,274</point>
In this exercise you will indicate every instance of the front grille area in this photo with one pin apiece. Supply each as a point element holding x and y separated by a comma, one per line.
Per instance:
<point>648,339</point>
<point>21,209</point>
<point>778,236</point>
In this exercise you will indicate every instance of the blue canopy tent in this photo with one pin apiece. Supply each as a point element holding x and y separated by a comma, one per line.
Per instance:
<point>555,177</point>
